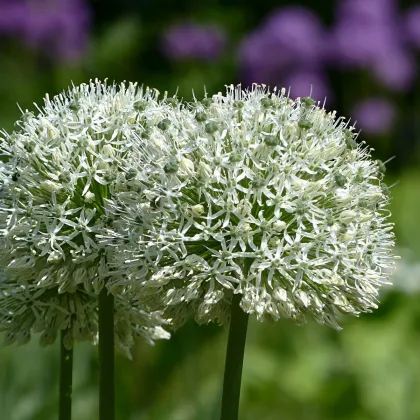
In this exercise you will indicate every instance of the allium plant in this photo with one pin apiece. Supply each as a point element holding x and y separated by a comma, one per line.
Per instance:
<point>252,203</point>
<point>57,171</point>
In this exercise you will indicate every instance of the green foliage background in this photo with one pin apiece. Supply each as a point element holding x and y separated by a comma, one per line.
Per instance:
<point>368,371</point>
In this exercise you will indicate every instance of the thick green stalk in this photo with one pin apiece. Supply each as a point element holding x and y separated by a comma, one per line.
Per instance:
<point>106,356</point>
<point>234,361</point>
<point>66,379</point>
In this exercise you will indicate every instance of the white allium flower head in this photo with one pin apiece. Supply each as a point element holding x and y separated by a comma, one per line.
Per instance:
<point>253,193</point>
<point>56,172</point>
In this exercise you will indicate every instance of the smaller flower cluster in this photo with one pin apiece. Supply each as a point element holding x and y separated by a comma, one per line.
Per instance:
<point>56,172</point>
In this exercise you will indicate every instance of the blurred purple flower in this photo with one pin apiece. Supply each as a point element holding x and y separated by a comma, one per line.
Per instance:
<point>259,64</point>
<point>363,32</point>
<point>396,69</point>
<point>59,27</point>
<point>308,83</point>
<point>374,115</point>
<point>369,11</point>
<point>289,37</point>
<point>11,16</point>
<point>298,31</point>
<point>192,41</point>
<point>411,25</point>
<point>367,35</point>
<point>358,44</point>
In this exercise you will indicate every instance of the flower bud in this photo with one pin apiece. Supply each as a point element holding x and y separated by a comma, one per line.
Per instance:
<point>187,166</point>
<point>279,226</point>
<point>280,294</point>
<point>50,186</point>
<point>211,127</point>
<point>197,210</point>
<point>347,216</point>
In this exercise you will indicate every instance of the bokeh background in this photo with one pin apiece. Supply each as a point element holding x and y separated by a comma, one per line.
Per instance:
<point>363,56</point>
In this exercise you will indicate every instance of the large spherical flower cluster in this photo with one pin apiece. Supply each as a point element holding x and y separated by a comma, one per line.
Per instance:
<point>56,172</point>
<point>252,193</point>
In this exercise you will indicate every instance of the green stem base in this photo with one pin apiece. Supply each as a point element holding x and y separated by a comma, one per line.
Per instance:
<point>66,379</point>
<point>106,356</point>
<point>234,361</point>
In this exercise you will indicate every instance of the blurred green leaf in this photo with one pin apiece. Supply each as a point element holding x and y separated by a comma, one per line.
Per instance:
<point>112,51</point>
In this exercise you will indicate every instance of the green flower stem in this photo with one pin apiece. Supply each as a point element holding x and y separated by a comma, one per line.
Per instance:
<point>234,361</point>
<point>106,356</point>
<point>66,379</point>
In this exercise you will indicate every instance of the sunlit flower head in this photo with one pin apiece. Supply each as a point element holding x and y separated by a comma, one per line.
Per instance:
<point>56,172</point>
<point>252,193</point>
